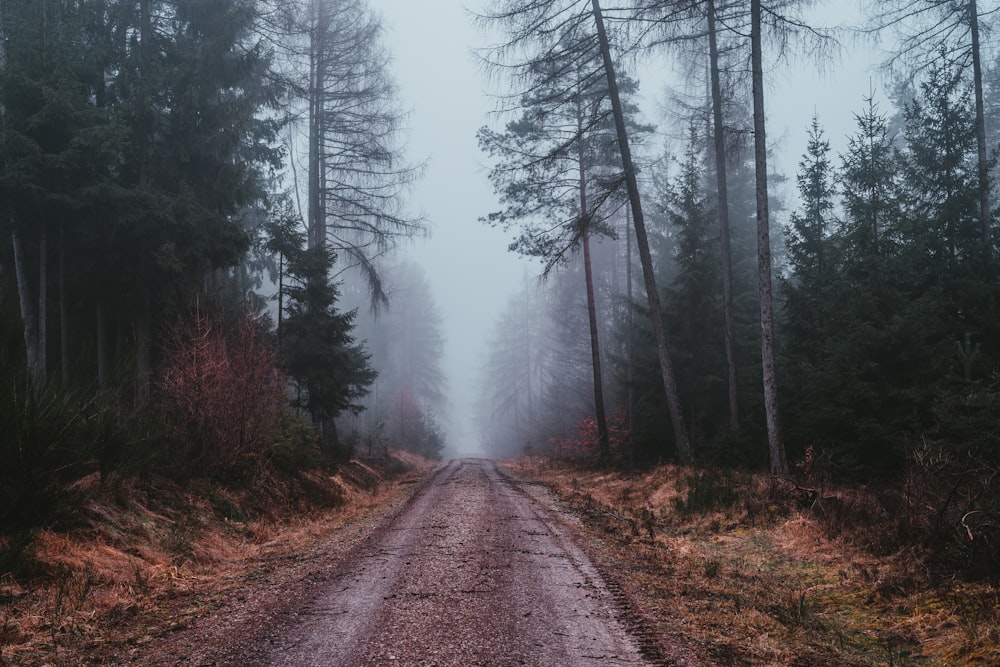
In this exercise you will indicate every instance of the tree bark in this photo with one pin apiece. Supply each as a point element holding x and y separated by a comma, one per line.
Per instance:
<point>28,318</point>
<point>722,192</point>
<point>102,339</point>
<point>144,325</point>
<point>144,347</point>
<point>629,341</point>
<point>775,445</point>
<point>684,451</point>
<point>985,215</point>
<point>316,223</point>
<point>63,310</point>
<point>43,300</point>
<point>603,441</point>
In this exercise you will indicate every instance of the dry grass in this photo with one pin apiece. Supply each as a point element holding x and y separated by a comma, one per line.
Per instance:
<point>757,581</point>
<point>134,548</point>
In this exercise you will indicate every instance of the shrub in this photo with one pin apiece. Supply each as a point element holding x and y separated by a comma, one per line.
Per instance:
<point>50,437</point>
<point>222,397</point>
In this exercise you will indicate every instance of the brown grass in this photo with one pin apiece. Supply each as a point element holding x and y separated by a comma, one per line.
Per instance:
<point>761,582</point>
<point>136,547</point>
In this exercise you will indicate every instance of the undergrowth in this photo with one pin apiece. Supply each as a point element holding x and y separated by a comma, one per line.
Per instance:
<point>133,543</point>
<point>756,570</point>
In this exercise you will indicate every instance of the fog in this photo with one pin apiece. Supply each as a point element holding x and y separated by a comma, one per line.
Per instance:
<point>448,98</point>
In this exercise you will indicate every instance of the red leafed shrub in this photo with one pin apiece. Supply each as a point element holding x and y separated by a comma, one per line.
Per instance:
<point>222,396</point>
<point>583,442</point>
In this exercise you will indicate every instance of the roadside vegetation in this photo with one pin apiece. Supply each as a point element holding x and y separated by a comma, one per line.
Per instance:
<point>123,559</point>
<point>757,570</point>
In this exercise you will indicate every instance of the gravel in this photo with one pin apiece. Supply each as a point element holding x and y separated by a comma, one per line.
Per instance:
<point>476,567</point>
<point>475,572</point>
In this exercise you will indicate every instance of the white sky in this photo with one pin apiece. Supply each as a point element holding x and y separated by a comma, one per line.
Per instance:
<point>469,268</point>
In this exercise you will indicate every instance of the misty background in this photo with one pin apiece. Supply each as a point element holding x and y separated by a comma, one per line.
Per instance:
<point>448,96</point>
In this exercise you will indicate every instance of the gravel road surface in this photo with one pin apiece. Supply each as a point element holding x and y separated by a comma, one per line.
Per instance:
<point>479,569</point>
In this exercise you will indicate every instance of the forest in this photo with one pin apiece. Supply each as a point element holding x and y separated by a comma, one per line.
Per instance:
<point>204,211</point>
<point>173,303</point>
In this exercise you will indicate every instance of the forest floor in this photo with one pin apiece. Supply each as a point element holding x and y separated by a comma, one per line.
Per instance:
<point>140,561</point>
<point>760,582</point>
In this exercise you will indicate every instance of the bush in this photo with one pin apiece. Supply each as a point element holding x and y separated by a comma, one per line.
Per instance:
<point>49,438</point>
<point>222,397</point>
<point>945,504</point>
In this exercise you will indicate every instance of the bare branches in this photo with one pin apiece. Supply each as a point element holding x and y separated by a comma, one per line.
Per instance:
<point>344,108</point>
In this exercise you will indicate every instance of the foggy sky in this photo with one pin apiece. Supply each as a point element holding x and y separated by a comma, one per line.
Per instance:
<point>467,263</point>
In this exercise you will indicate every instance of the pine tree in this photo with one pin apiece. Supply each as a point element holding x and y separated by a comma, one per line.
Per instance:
<point>330,370</point>
<point>811,319</point>
<point>692,299</point>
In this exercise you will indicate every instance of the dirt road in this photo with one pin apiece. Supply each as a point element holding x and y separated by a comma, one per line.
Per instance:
<point>477,570</point>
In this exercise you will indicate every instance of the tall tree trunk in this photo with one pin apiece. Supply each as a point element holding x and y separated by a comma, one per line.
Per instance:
<point>629,341</point>
<point>144,325</point>
<point>63,310</point>
<point>722,193</point>
<point>145,121</point>
<point>28,318</point>
<point>985,215</point>
<point>43,301</point>
<point>281,295</point>
<point>684,451</point>
<point>144,346</point>
<point>603,441</point>
<point>775,445</point>
<point>316,233</point>
<point>102,339</point>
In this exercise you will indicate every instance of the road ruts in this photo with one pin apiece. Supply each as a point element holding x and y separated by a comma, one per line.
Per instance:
<point>474,572</point>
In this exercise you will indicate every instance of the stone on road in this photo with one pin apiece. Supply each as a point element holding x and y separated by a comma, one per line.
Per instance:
<point>476,571</point>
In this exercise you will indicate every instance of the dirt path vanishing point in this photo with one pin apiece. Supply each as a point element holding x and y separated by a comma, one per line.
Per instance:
<point>478,569</point>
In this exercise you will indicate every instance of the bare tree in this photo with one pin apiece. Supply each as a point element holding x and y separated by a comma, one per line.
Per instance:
<point>722,202</point>
<point>356,171</point>
<point>684,450</point>
<point>776,446</point>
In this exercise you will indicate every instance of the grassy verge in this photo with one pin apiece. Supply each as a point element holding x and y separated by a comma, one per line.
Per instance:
<point>134,553</point>
<point>741,569</point>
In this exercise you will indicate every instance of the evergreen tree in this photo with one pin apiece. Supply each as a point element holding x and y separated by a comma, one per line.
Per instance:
<point>693,301</point>
<point>330,370</point>
<point>808,292</point>
<point>869,180</point>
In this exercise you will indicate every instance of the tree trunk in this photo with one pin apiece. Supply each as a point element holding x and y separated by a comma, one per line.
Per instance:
<point>775,445</point>
<point>102,339</point>
<point>603,441</point>
<point>315,223</point>
<point>281,295</point>
<point>28,319</point>
<point>985,216</point>
<point>144,345</point>
<point>43,301</point>
<point>722,192</point>
<point>629,341</point>
<point>63,310</point>
<point>145,121</point>
<point>144,325</point>
<point>684,451</point>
